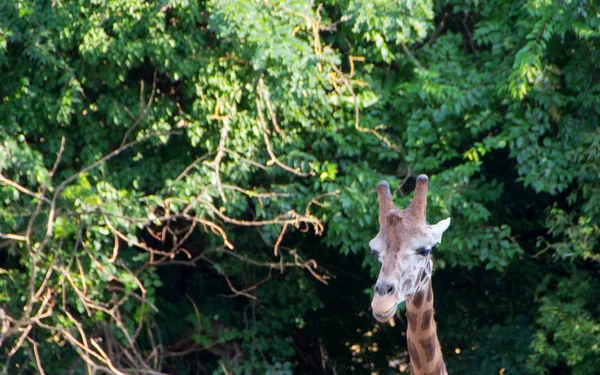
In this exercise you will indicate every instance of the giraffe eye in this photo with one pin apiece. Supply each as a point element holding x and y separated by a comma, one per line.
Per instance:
<point>424,251</point>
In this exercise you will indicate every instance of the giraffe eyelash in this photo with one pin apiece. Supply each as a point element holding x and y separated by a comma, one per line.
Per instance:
<point>424,251</point>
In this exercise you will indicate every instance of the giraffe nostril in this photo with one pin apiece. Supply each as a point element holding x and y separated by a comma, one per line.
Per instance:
<point>384,288</point>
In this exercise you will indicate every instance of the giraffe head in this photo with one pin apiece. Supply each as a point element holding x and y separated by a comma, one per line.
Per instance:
<point>402,246</point>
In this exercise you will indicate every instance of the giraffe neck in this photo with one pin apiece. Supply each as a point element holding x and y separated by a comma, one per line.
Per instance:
<point>421,335</point>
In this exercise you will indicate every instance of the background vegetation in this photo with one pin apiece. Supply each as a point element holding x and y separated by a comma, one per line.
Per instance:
<point>187,187</point>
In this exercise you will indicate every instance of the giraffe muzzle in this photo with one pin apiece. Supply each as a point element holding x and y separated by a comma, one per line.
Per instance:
<point>385,316</point>
<point>384,307</point>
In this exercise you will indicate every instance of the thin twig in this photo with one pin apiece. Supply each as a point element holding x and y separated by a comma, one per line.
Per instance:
<point>265,131</point>
<point>143,109</point>
<point>265,98</point>
<point>22,189</point>
<point>412,57</point>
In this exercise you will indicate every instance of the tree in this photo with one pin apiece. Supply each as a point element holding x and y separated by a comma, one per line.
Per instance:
<point>189,187</point>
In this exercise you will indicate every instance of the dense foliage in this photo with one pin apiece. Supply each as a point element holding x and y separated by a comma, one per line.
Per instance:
<point>188,187</point>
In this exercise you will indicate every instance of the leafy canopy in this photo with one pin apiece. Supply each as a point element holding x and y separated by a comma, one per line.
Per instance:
<point>188,187</point>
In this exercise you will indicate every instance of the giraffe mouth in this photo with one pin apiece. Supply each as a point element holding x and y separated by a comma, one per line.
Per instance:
<point>385,315</point>
<point>384,307</point>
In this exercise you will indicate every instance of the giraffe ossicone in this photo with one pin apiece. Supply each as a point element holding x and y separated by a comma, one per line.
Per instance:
<point>403,247</point>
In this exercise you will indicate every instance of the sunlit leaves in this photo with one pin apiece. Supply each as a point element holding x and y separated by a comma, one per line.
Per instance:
<point>497,103</point>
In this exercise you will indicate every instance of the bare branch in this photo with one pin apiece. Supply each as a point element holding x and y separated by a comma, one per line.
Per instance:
<point>13,237</point>
<point>279,239</point>
<point>143,109</point>
<point>291,217</point>
<point>412,57</point>
<point>265,131</point>
<point>38,362</point>
<point>104,159</point>
<point>6,181</point>
<point>265,98</point>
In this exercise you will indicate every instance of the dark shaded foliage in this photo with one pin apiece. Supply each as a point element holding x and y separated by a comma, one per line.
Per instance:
<point>238,131</point>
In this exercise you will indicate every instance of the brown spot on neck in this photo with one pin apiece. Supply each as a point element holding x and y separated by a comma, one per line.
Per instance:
<point>429,345</point>
<point>429,293</point>
<point>422,335</point>
<point>440,368</point>
<point>417,299</point>
<point>412,320</point>
<point>422,300</point>
<point>426,320</point>
<point>413,354</point>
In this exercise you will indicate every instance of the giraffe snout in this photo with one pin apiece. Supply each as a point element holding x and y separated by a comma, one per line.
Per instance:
<point>384,288</point>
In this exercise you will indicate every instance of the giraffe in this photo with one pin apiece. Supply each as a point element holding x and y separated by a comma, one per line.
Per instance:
<point>402,246</point>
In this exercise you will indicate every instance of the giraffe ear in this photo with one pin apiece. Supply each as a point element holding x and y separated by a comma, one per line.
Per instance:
<point>438,229</point>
